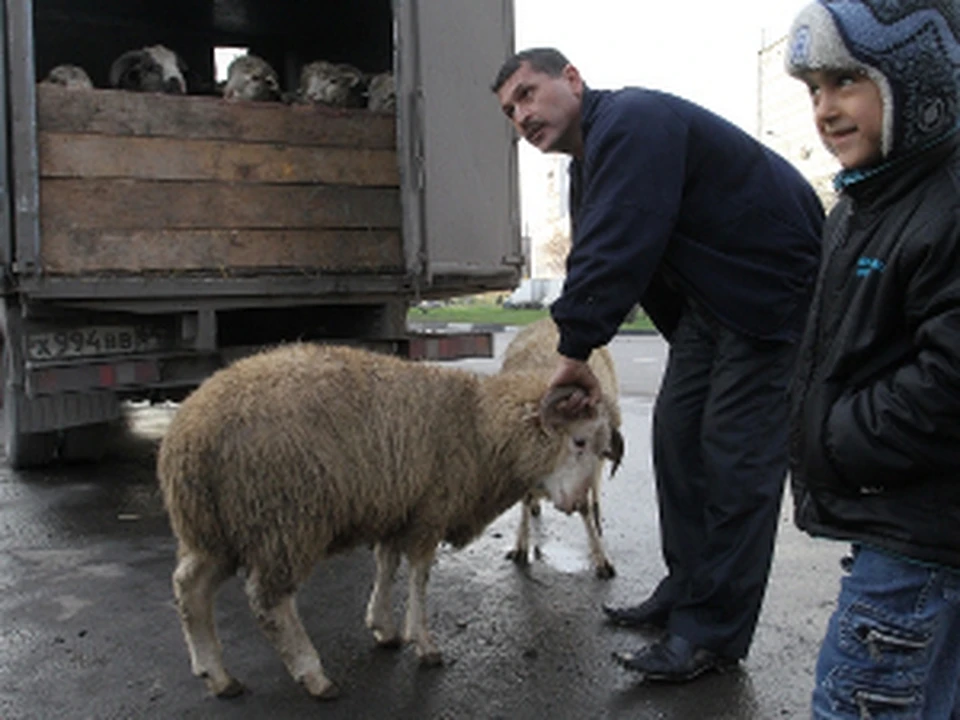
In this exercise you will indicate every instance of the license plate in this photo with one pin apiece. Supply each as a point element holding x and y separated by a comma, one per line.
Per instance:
<point>91,341</point>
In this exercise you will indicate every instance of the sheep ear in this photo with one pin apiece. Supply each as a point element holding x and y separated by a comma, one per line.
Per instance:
<point>124,64</point>
<point>553,411</point>
<point>614,453</point>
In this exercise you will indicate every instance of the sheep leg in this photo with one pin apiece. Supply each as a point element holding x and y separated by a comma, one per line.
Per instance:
<point>415,626</point>
<point>379,609</point>
<point>195,582</point>
<point>521,550</point>
<point>280,622</point>
<point>591,522</point>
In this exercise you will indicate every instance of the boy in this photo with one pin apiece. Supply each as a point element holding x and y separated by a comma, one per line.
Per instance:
<point>875,412</point>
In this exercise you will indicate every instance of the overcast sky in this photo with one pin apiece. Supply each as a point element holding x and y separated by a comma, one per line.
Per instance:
<point>704,50</point>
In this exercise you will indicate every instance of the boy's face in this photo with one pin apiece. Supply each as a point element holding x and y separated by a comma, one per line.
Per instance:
<point>544,109</point>
<point>848,112</point>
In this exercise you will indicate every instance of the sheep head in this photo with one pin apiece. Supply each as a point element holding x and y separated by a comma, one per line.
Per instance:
<point>337,84</point>
<point>381,93</point>
<point>251,78</point>
<point>587,436</point>
<point>150,69</point>
<point>72,77</point>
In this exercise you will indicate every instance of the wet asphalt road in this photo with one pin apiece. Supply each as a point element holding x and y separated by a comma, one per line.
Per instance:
<point>88,628</point>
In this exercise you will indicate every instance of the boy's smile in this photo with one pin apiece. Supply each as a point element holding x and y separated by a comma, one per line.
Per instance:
<point>848,112</point>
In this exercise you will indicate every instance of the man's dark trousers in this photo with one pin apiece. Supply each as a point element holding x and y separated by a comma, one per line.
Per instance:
<point>720,459</point>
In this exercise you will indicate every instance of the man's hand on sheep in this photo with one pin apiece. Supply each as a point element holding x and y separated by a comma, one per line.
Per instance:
<point>576,372</point>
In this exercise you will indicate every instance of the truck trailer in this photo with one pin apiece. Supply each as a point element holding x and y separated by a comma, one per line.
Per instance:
<point>148,239</point>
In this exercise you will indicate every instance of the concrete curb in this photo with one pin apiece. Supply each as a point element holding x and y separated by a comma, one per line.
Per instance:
<point>430,326</point>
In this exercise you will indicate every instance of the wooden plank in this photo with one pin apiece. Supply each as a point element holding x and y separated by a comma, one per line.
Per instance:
<point>115,112</point>
<point>160,158</point>
<point>78,204</point>
<point>226,253</point>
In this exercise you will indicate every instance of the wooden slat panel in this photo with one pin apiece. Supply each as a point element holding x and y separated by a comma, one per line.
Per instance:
<point>115,112</point>
<point>74,252</point>
<point>74,204</point>
<point>102,156</point>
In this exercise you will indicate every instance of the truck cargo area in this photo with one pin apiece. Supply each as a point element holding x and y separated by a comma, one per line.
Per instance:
<point>151,238</point>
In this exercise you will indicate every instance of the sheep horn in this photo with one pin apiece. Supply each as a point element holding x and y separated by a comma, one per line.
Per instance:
<point>554,408</point>
<point>614,453</point>
<point>124,64</point>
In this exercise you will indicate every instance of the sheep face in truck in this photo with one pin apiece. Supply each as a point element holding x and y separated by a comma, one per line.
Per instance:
<point>151,69</point>
<point>251,78</point>
<point>335,84</point>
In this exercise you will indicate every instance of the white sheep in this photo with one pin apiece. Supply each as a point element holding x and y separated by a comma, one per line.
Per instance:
<point>72,77</point>
<point>381,93</point>
<point>533,348</point>
<point>291,455</point>
<point>250,77</point>
<point>336,84</point>
<point>151,69</point>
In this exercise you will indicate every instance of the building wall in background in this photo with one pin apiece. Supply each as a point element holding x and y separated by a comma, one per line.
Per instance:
<point>785,121</point>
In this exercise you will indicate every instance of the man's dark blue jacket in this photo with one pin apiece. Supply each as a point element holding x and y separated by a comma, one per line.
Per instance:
<point>671,200</point>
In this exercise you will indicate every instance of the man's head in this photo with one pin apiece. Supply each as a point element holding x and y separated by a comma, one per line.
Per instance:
<point>541,93</point>
<point>883,74</point>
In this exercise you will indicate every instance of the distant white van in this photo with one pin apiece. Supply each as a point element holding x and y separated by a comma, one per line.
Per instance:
<point>535,293</point>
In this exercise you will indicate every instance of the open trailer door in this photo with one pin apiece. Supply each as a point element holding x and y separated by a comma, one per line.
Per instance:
<point>459,169</point>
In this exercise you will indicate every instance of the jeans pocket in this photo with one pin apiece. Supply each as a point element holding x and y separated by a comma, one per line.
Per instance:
<point>885,641</point>
<point>854,692</point>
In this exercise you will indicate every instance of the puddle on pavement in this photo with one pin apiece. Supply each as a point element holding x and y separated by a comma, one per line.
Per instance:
<point>564,559</point>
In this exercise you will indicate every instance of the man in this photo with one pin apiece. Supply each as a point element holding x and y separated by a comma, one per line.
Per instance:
<point>717,237</point>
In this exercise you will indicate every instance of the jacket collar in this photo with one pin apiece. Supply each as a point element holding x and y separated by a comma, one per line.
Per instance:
<point>893,178</point>
<point>589,108</point>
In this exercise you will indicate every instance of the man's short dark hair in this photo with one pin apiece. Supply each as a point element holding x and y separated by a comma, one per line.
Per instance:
<point>542,59</point>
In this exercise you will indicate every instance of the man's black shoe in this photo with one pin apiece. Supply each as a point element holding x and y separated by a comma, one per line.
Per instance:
<point>648,614</point>
<point>673,659</point>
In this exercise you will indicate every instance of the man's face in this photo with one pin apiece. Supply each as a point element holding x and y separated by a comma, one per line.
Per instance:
<point>848,112</point>
<point>544,109</point>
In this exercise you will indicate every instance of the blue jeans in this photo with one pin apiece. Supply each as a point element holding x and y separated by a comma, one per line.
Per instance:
<point>892,648</point>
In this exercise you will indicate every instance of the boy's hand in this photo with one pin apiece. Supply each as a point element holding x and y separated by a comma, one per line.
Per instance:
<point>576,372</point>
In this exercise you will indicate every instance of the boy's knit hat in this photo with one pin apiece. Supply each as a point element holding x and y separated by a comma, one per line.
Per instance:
<point>909,48</point>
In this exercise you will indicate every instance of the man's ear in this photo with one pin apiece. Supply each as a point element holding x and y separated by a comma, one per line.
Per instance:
<point>572,76</point>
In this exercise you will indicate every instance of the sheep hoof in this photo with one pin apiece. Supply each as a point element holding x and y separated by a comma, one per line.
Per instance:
<point>389,642</point>
<point>231,689</point>
<point>431,658</point>
<point>606,571</point>
<point>519,557</point>
<point>321,688</point>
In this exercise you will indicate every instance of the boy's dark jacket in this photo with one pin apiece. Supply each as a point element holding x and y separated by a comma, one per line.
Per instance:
<point>663,180</point>
<point>875,440</point>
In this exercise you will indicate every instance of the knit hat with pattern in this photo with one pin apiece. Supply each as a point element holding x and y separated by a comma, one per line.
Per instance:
<point>909,48</point>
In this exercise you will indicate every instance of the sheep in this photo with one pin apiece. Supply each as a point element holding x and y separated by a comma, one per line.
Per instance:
<point>72,77</point>
<point>337,84</point>
<point>150,69</point>
<point>251,78</point>
<point>535,347</point>
<point>381,93</point>
<point>291,455</point>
